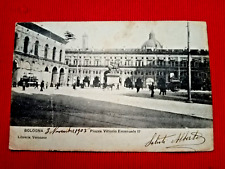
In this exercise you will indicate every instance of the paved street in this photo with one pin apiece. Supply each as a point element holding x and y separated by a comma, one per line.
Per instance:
<point>104,108</point>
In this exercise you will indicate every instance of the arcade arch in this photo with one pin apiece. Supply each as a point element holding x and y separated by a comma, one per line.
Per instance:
<point>61,76</point>
<point>54,76</point>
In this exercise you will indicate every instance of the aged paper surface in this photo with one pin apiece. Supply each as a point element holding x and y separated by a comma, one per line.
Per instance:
<point>111,86</point>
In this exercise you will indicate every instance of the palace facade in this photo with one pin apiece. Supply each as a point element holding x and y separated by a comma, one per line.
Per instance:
<point>150,63</point>
<point>39,55</point>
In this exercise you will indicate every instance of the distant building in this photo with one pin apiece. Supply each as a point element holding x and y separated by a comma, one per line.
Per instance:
<point>150,63</point>
<point>39,55</point>
<point>85,42</point>
<point>151,43</point>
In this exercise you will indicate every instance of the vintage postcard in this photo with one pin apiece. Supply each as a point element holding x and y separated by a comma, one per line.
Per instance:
<point>135,86</point>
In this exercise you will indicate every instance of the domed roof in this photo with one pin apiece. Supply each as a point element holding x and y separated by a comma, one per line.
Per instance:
<point>151,43</point>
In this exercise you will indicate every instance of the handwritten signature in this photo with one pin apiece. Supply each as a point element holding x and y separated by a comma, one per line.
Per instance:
<point>182,140</point>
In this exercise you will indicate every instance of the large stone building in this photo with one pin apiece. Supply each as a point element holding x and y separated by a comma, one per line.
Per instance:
<point>39,55</point>
<point>150,63</point>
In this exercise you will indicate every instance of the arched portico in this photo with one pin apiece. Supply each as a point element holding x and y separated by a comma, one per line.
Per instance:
<point>96,81</point>
<point>61,76</point>
<point>128,83</point>
<point>54,79</point>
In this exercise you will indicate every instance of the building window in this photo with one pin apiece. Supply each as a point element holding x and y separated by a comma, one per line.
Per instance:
<point>160,62</point>
<point>185,63</point>
<point>53,53</point>
<point>172,63</point>
<point>75,62</point>
<point>128,63</point>
<point>36,48</point>
<point>192,63</point>
<point>149,63</point>
<point>139,63</point>
<point>97,63</point>
<point>60,56</point>
<point>15,40</point>
<point>86,61</point>
<point>26,43</point>
<point>46,51</point>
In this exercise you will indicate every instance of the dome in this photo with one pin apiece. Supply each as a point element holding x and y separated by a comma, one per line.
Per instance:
<point>151,43</point>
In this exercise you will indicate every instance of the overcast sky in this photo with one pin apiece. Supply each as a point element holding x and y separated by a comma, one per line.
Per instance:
<point>120,34</point>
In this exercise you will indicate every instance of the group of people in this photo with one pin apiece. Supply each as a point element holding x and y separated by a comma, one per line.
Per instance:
<point>151,87</point>
<point>42,85</point>
<point>162,89</point>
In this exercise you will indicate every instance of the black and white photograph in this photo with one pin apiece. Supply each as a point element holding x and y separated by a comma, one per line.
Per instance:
<point>111,80</point>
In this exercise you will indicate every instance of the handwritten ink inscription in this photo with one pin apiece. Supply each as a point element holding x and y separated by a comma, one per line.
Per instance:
<point>182,140</point>
<point>69,130</point>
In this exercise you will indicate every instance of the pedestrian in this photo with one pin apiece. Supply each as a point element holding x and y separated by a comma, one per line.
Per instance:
<point>57,85</point>
<point>74,85</point>
<point>118,86</point>
<point>152,89</point>
<point>138,85</point>
<point>36,85</point>
<point>78,82</point>
<point>46,85</point>
<point>160,90</point>
<point>164,89</point>
<point>24,85</point>
<point>42,85</point>
<point>138,88</point>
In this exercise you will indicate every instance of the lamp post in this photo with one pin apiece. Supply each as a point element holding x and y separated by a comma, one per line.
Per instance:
<point>189,65</point>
